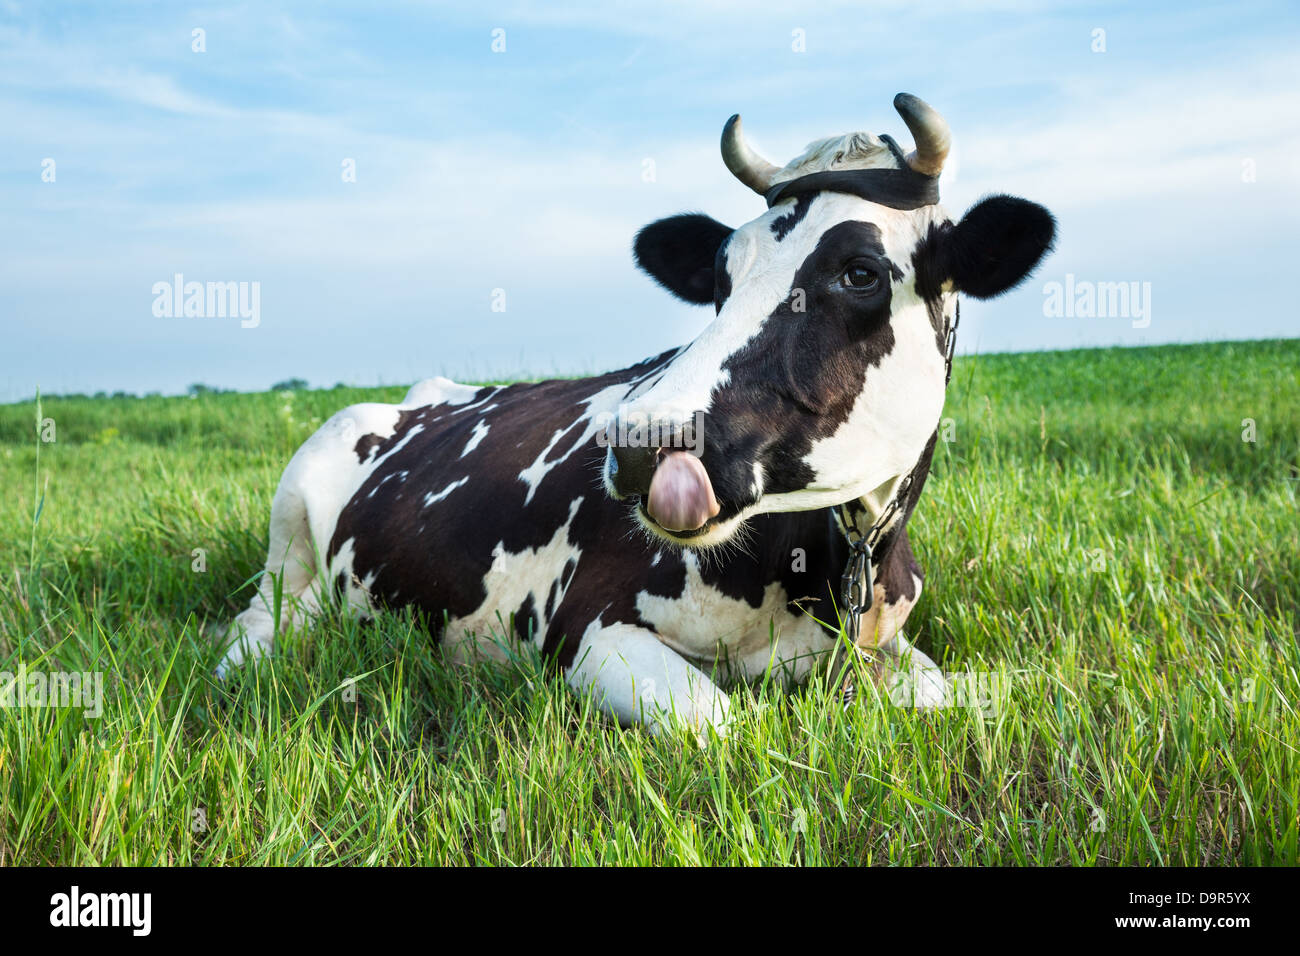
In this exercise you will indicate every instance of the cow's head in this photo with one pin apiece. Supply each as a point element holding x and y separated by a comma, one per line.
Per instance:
<point>821,379</point>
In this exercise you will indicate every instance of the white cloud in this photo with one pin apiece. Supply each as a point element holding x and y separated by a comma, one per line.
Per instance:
<point>1113,142</point>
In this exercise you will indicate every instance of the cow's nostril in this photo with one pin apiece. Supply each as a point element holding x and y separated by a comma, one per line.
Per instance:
<point>631,467</point>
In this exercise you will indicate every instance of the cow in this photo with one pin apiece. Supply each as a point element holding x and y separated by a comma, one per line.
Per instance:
<point>692,519</point>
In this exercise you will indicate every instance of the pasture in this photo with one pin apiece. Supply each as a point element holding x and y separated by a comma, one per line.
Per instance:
<point>1098,539</point>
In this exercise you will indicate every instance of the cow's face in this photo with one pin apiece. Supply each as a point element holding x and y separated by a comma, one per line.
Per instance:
<point>821,379</point>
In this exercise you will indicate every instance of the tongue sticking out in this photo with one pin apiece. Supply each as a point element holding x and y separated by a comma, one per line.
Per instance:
<point>681,497</point>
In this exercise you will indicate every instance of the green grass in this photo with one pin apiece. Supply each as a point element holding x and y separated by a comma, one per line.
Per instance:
<point>1098,534</point>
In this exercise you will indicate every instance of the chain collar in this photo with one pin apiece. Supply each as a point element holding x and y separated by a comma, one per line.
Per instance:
<point>857,584</point>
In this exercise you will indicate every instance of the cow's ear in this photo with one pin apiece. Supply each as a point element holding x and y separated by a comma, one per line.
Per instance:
<point>996,245</point>
<point>679,252</point>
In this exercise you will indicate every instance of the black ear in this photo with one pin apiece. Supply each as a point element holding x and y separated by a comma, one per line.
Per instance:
<point>996,245</point>
<point>678,253</point>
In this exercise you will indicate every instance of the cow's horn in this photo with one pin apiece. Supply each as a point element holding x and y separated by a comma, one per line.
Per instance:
<point>745,164</point>
<point>928,129</point>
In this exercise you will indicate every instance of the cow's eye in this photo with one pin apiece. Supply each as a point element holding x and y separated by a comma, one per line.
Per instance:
<point>859,275</point>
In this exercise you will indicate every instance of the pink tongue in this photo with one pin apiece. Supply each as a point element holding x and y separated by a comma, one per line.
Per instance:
<point>681,497</point>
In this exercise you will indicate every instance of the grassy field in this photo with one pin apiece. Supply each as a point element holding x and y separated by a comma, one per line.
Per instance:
<point>1097,533</point>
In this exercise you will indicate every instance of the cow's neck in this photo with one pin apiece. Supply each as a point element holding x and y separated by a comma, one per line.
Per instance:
<point>863,513</point>
<point>870,508</point>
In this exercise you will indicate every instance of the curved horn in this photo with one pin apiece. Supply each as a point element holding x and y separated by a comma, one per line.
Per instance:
<point>928,129</point>
<point>745,164</point>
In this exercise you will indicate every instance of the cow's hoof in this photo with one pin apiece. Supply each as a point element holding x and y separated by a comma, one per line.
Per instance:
<point>704,724</point>
<point>241,649</point>
<point>712,733</point>
<point>924,688</point>
<point>910,678</point>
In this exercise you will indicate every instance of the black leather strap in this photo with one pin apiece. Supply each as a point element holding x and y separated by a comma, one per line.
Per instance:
<point>897,188</point>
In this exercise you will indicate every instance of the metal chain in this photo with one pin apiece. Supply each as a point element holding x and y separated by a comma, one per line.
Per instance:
<point>950,341</point>
<point>858,583</point>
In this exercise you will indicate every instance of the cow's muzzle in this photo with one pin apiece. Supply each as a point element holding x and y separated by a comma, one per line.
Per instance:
<point>673,485</point>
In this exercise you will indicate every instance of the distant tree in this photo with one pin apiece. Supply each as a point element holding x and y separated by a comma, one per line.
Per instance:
<point>290,385</point>
<point>198,388</point>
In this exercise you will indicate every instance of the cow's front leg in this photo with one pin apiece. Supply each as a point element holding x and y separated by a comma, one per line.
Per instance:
<point>911,678</point>
<point>636,678</point>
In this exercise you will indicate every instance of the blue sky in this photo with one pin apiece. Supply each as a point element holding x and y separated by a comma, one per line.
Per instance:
<point>1172,158</point>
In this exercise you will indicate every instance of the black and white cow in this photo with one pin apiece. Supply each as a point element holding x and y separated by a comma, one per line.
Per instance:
<point>679,520</point>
